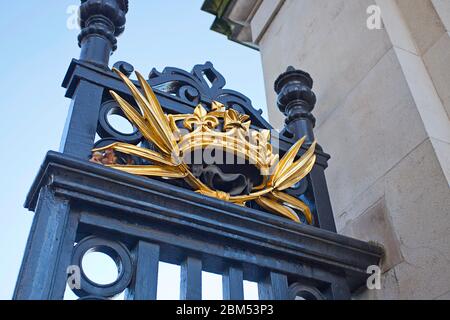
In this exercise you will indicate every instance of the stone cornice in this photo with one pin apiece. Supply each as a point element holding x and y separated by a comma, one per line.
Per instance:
<point>233,18</point>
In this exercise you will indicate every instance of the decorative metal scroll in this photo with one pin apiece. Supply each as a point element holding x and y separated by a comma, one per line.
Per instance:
<point>204,84</point>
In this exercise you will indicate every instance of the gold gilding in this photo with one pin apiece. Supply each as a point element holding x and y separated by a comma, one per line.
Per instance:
<point>219,128</point>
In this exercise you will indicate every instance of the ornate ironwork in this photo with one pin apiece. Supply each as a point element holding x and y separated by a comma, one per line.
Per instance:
<point>222,130</point>
<point>301,291</point>
<point>101,21</point>
<point>81,206</point>
<point>107,131</point>
<point>296,101</point>
<point>118,252</point>
<point>204,84</point>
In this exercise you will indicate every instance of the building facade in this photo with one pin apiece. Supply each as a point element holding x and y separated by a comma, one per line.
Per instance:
<point>382,79</point>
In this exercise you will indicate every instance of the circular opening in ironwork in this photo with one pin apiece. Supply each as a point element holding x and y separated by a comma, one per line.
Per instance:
<point>306,295</point>
<point>100,267</point>
<point>302,292</point>
<point>119,122</point>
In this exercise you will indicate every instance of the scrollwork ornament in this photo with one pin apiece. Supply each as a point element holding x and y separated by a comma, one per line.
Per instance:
<point>220,128</point>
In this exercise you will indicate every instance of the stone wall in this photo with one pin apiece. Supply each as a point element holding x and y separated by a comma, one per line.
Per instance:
<point>383,114</point>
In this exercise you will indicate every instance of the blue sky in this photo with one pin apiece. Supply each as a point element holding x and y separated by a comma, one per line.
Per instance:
<point>36,50</point>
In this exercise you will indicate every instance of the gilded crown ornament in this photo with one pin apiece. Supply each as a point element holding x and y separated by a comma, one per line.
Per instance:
<point>177,137</point>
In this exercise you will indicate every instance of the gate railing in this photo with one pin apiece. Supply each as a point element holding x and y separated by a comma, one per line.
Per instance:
<point>139,222</point>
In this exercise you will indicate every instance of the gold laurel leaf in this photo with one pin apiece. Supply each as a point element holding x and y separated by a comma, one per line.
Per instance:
<point>150,170</point>
<point>295,203</point>
<point>155,109</point>
<point>152,111</point>
<point>157,113</point>
<point>137,151</point>
<point>137,119</point>
<point>276,207</point>
<point>297,170</point>
<point>297,175</point>
<point>286,162</point>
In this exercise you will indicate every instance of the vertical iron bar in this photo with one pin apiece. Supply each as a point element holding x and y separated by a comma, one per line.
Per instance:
<point>273,287</point>
<point>339,289</point>
<point>324,210</point>
<point>191,279</point>
<point>49,249</point>
<point>81,125</point>
<point>233,284</point>
<point>145,281</point>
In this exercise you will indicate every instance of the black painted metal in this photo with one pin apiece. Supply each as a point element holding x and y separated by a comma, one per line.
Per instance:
<point>274,286</point>
<point>117,252</point>
<point>144,285</point>
<point>301,291</point>
<point>233,284</point>
<point>297,100</point>
<point>140,222</point>
<point>101,21</point>
<point>191,279</point>
<point>129,209</point>
<point>81,124</point>
<point>49,248</point>
<point>80,72</point>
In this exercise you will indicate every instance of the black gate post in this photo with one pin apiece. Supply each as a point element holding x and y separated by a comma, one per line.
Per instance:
<point>48,251</point>
<point>49,247</point>
<point>297,100</point>
<point>101,22</point>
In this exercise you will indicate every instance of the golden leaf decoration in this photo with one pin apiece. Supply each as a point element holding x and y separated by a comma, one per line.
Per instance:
<point>153,121</point>
<point>272,205</point>
<point>139,152</point>
<point>286,162</point>
<point>287,172</point>
<point>298,171</point>
<point>162,131</point>
<point>295,203</point>
<point>149,170</point>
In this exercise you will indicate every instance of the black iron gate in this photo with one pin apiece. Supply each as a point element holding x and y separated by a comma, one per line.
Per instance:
<point>81,206</point>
